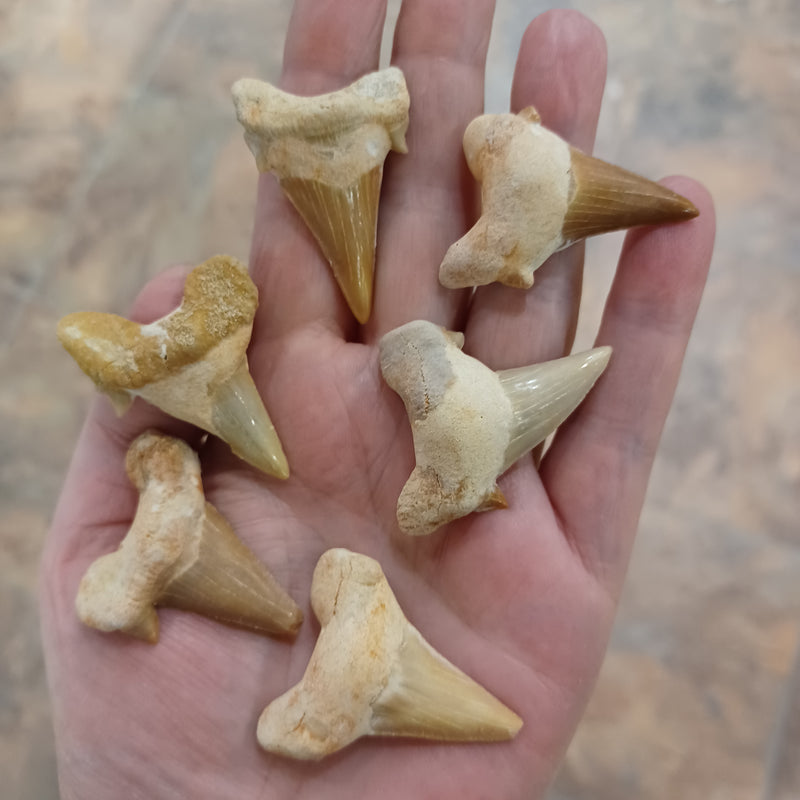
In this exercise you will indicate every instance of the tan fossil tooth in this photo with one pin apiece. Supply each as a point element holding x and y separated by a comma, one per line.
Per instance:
<point>539,195</point>
<point>372,674</point>
<point>471,424</point>
<point>192,363</point>
<point>328,152</point>
<point>180,552</point>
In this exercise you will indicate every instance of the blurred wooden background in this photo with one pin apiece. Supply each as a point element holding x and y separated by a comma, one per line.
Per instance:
<point>121,155</point>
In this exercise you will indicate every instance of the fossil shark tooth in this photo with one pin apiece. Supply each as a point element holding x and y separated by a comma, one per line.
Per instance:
<point>372,674</point>
<point>180,552</point>
<point>539,195</point>
<point>192,363</point>
<point>471,424</point>
<point>327,152</point>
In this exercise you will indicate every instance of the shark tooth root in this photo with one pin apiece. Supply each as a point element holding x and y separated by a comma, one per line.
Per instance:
<point>328,153</point>
<point>180,552</point>
<point>373,674</point>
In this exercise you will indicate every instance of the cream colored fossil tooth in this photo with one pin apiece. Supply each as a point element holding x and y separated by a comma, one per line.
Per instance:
<point>372,674</point>
<point>180,552</point>
<point>539,195</point>
<point>469,423</point>
<point>192,363</point>
<point>328,152</point>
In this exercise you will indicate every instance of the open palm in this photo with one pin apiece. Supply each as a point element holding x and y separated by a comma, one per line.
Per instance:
<point>520,599</point>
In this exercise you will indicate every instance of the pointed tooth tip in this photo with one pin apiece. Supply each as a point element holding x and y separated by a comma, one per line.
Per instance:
<point>512,723</point>
<point>360,306</point>
<point>273,463</point>
<point>294,622</point>
<point>677,208</point>
<point>690,210</point>
<point>285,626</point>
<point>595,360</point>
<point>600,355</point>
<point>356,290</point>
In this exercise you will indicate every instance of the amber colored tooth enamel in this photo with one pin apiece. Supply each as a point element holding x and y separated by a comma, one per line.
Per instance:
<point>180,552</point>
<point>344,221</point>
<point>608,198</point>
<point>226,582</point>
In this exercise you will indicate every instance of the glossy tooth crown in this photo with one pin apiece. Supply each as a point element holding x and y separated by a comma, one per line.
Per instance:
<point>192,363</point>
<point>469,423</point>
<point>543,395</point>
<point>539,195</point>
<point>372,674</point>
<point>328,152</point>
<point>180,552</point>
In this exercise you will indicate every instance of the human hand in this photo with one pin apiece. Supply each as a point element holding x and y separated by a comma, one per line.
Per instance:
<point>521,599</point>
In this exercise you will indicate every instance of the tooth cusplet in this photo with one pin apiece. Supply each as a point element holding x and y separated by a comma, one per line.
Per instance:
<point>179,552</point>
<point>538,195</point>
<point>469,423</point>
<point>192,363</point>
<point>371,673</point>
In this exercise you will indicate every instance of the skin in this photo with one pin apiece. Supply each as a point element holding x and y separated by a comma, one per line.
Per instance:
<point>521,599</point>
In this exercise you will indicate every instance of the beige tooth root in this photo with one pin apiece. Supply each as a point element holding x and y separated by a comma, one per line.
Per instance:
<point>328,152</point>
<point>539,195</point>
<point>180,552</point>
<point>372,674</point>
<point>192,363</point>
<point>469,423</point>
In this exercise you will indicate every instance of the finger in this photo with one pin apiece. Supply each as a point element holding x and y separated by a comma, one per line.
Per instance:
<point>428,197</point>
<point>597,469</point>
<point>329,44</point>
<point>561,71</point>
